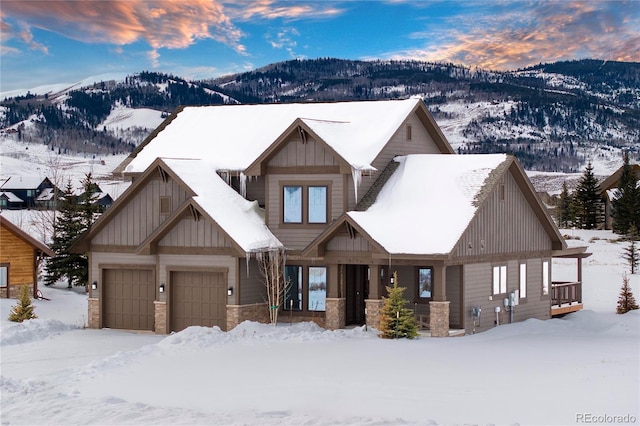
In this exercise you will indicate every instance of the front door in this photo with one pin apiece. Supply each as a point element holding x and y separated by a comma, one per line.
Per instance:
<point>356,277</point>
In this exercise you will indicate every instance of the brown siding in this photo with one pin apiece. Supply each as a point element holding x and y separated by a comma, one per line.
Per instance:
<point>21,259</point>
<point>255,189</point>
<point>295,153</point>
<point>191,233</point>
<point>141,216</point>
<point>503,226</point>
<point>252,289</point>
<point>478,289</point>
<point>454,295</point>
<point>342,242</point>
<point>297,237</point>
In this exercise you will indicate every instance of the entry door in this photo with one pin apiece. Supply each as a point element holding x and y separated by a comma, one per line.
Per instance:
<point>356,286</point>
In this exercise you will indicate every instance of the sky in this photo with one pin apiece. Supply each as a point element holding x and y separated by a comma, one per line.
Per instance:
<point>50,41</point>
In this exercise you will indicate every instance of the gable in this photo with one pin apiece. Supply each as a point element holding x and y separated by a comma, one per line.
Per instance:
<point>504,223</point>
<point>13,236</point>
<point>191,232</point>
<point>302,150</point>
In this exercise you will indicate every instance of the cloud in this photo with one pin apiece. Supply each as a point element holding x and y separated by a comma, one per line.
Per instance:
<point>7,32</point>
<point>159,23</point>
<point>284,39</point>
<point>530,33</point>
<point>272,9</point>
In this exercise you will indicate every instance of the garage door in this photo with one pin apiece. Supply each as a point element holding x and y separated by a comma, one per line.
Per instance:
<point>198,298</point>
<point>128,299</point>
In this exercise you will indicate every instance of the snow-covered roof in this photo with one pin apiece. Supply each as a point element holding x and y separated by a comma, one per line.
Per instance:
<point>22,182</point>
<point>231,137</point>
<point>46,194</point>
<point>429,197</point>
<point>241,219</point>
<point>11,197</point>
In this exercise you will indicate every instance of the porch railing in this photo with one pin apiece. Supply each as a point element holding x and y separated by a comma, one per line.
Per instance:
<point>565,293</point>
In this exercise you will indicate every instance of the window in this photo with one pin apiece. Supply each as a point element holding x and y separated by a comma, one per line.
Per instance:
<point>4,276</point>
<point>425,282</point>
<point>545,278</point>
<point>305,202</point>
<point>317,200</point>
<point>499,279</point>
<point>409,132</point>
<point>523,280</point>
<point>293,294</point>
<point>317,288</point>
<point>292,204</point>
<point>3,203</point>
<point>165,205</point>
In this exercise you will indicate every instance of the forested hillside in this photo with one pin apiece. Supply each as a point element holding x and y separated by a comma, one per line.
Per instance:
<point>552,116</point>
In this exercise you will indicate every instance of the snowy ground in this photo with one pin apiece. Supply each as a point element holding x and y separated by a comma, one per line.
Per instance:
<point>56,372</point>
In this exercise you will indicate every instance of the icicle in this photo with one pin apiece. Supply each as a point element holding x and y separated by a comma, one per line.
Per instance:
<point>357,178</point>
<point>243,185</point>
<point>247,257</point>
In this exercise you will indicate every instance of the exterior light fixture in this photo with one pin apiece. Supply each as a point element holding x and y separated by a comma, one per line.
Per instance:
<point>161,288</point>
<point>230,291</point>
<point>94,285</point>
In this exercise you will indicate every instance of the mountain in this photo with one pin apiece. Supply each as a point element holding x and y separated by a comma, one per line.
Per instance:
<point>553,117</point>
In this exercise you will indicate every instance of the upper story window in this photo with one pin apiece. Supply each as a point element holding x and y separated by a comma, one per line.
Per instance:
<point>165,205</point>
<point>304,204</point>
<point>408,132</point>
<point>500,279</point>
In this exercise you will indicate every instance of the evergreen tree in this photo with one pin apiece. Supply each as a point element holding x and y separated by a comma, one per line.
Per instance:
<point>76,215</point>
<point>626,206</point>
<point>397,321</point>
<point>23,310</point>
<point>564,212</point>
<point>631,255</point>
<point>626,301</point>
<point>587,200</point>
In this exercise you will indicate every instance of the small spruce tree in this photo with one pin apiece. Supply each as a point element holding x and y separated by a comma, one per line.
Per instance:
<point>632,256</point>
<point>23,310</point>
<point>626,301</point>
<point>626,206</point>
<point>587,199</point>
<point>397,321</point>
<point>564,213</point>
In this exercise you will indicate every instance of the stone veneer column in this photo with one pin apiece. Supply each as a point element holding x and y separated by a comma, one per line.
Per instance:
<point>160,313</point>
<point>439,319</point>
<point>236,314</point>
<point>373,308</point>
<point>94,313</point>
<point>336,313</point>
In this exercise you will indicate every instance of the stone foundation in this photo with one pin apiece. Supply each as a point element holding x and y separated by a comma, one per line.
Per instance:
<point>94,313</point>
<point>14,291</point>
<point>439,319</point>
<point>160,317</point>
<point>238,313</point>
<point>373,308</point>
<point>336,313</point>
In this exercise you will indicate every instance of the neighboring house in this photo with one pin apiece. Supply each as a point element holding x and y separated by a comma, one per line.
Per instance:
<point>10,201</point>
<point>608,189</point>
<point>26,188</point>
<point>353,191</point>
<point>20,255</point>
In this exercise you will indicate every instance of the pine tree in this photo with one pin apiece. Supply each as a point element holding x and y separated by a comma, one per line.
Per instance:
<point>587,200</point>
<point>626,301</point>
<point>564,212</point>
<point>76,215</point>
<point>626,206</point>
<point>397,321</point>
<point>631,254</point>
<point>23,310</point>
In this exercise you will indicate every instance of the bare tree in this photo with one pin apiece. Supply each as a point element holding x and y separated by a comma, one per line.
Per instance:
<point>271,264</point>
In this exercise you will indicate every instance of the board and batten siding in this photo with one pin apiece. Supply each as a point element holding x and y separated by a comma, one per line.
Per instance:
<point>421,143</point>
<point>141,216</point>
<point>252,287</point>
<point>343,242</point>
<point>478,287</point>
<point>191,233</point>
<point>298,236</point>
<point>296,153</point>
<point>503,226</point>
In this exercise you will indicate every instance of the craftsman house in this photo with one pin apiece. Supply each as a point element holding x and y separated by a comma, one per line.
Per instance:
<point>22,191</point>
<point>20,255</point>
<point>351,192</point>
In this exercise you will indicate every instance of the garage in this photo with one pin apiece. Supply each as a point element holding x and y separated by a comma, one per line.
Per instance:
<point>128,299</point>
<point>198,298</point>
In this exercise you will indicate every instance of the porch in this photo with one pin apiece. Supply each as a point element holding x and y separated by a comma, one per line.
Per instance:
<point>566,297</point>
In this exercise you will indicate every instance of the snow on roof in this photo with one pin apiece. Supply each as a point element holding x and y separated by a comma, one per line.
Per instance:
<point>241,219</point>
<point>22,182</point>
<point>430,198</point>
<point>11,197</point>
<point>46,194</point>
<point>231,137</point>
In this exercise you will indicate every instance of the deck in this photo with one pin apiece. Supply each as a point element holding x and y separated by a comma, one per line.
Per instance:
<point>566,297</point>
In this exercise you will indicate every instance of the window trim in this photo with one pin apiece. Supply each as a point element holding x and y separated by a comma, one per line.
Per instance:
<point>409,132</point>
<point>502,283</point>
<point>6,267</point>
<point>301,212</point>
<point>305,185</point>
<point>418,297</point>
